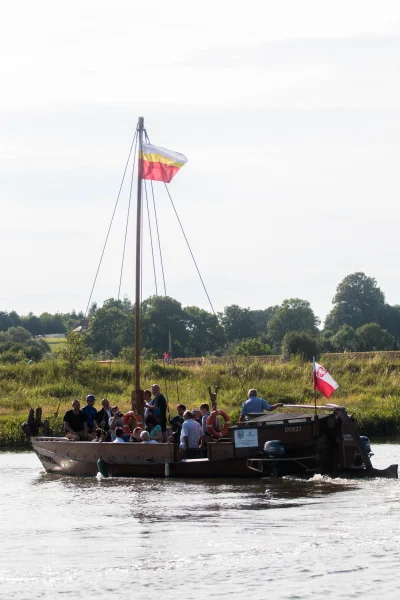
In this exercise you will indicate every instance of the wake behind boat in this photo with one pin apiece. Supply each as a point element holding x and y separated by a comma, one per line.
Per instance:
<point>305,440</point>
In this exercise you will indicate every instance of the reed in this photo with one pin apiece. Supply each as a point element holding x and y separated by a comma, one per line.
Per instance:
<point>369,387</point>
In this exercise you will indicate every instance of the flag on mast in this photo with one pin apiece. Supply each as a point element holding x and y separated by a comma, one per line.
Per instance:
<point>323,381</point>
<point>159,164</point>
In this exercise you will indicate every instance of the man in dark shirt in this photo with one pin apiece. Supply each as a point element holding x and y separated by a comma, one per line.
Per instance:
<point>90,412</point>
<point>104,415</point>
<point>160,409</point>
<point>75,423</point>
<point>176,423</point>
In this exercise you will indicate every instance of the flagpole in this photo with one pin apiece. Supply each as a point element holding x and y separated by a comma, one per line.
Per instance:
<point>315,391</point>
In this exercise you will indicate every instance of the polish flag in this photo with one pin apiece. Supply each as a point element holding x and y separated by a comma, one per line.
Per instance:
<point>323,382</point>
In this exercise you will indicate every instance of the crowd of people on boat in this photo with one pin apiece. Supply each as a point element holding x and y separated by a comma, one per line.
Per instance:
<point>188,429</point>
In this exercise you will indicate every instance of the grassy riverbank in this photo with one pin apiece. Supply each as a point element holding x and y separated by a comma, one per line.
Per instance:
<point>369,387</point>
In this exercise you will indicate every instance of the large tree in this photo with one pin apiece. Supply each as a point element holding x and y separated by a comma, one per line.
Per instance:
<point>261,318</point>
<point>238,323</point>
<point>358,300</point>
<point>293,314</point>
<point>205,333</point>
<point>5,321</point>
<point>161,315</point>
<point>372,337</point>
<point>33,324</point>
<point>110,329</point>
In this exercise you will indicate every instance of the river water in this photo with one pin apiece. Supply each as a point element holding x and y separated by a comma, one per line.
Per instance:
<point>292,539</point>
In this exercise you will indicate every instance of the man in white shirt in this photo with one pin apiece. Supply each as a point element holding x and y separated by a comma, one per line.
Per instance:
<point>191,433</point>
<point>119,436</point>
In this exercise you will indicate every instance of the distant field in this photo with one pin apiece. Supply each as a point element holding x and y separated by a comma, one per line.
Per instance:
<point>55,343</point>
<point>369,387</point>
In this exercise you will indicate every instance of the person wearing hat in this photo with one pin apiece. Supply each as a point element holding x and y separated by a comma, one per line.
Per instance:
<point>90,412</point>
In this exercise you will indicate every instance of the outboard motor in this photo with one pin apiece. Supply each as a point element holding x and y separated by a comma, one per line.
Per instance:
<point>274,449</point>
<point>365,443</point>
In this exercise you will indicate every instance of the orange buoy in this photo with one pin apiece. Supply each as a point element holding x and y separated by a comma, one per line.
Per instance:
<point>210,423</point>
<point>127,419</point>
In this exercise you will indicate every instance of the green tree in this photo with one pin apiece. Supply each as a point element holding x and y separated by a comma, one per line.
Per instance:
<point>5,321</point>
<point>358,300</point>
<point>33,324</point>
<point>299,343</point>
<point>372,337</point>
<point>161,315</point>
<point>73,352</point>
<point>238,323</point>
<point>325,341</point>
<point>293,314</point>
<point>252,347</point>
<point>110,329</point>
<point>19,334</point>
<point>345,340</point>
<point>205,334</point>
<point>52,323</point>
<point>261,318</point>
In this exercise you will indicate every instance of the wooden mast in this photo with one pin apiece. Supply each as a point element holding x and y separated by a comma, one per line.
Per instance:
<point>137,394</point>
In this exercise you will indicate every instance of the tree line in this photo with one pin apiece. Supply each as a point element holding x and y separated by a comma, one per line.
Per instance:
<point>360,320</point>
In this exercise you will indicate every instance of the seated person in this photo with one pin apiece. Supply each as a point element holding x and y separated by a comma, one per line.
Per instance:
<point>117,420</point>
<point>205,413</point>
<point>254,404</point>
<point>104,415</point>
<point>75,423</point>
<point>146,439</point>
<point>176,423</point>
<point>98,433</point>
<point>119,436</point>
<point>90,412</point>
<point>135,437</point>
<point>154,428</point>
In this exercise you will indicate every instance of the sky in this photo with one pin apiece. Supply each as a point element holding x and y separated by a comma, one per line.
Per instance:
<point>287,111</point>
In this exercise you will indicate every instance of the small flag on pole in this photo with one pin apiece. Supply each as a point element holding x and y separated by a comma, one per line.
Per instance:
<point>323,382</point>
<point>159,164</point>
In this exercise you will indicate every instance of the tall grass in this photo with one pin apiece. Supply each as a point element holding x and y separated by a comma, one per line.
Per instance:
<point>369,387</point>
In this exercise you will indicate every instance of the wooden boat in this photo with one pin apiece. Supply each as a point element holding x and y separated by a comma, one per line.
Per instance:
<point>295,443</point>
<point>306,440</point>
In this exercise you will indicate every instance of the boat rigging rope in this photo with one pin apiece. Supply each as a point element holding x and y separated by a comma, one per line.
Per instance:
<point>204,286</point>
<point>111,222</point>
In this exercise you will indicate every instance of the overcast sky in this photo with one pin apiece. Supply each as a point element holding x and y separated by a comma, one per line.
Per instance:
<point>287,111</point>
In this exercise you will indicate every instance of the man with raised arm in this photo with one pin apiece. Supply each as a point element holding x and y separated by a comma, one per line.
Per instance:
<point>254,404</point>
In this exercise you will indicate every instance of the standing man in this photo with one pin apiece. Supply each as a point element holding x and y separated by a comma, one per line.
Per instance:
<point>75,423</point>
<point>191,433</point>
<point>177,422</point>
<point>254,404</point>
<point>159,409</point>
<point>205,413</point>
<point>90,412</point>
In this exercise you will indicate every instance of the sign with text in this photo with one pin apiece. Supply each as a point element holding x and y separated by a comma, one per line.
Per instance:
<point>246,438</point>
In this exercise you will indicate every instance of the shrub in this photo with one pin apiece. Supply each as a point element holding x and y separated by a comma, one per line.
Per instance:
<point>299,343</point>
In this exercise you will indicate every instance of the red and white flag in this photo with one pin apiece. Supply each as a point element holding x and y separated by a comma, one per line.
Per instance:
<point>323,382</point>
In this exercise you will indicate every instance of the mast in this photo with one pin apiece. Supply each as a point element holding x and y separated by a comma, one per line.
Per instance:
<point>137,395</point>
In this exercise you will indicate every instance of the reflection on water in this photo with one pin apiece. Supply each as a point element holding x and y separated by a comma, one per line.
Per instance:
<point>292,538</point>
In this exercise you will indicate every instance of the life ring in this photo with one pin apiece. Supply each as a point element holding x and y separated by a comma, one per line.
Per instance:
<point>127,419</point>
<point>212,418</point>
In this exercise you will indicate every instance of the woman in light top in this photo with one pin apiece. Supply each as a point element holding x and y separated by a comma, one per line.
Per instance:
<point>154,428</point>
